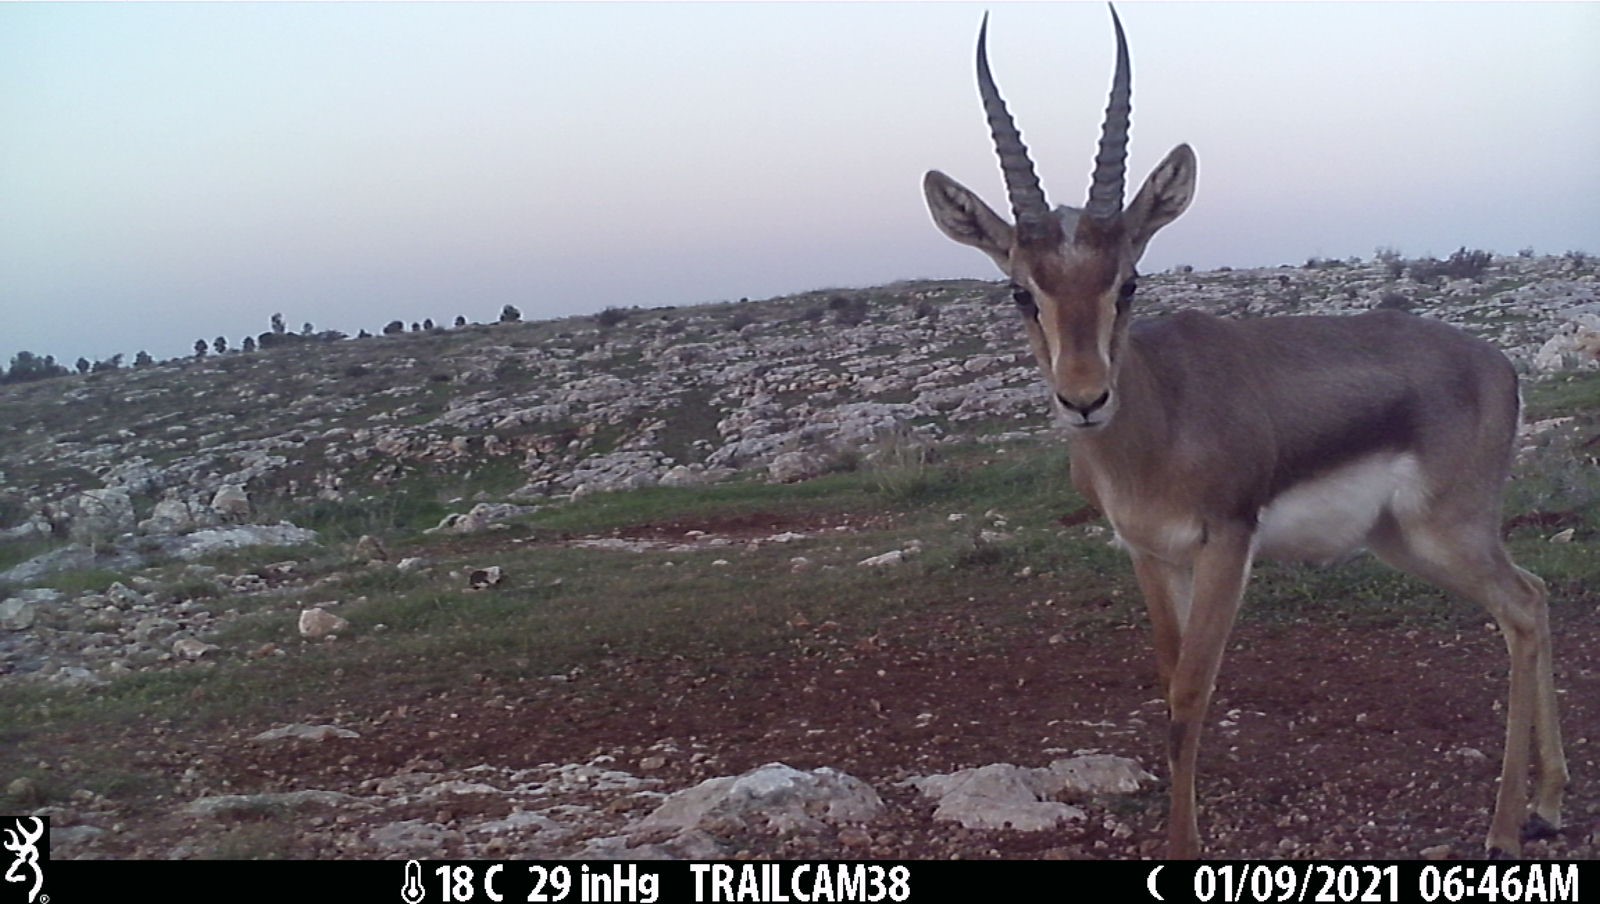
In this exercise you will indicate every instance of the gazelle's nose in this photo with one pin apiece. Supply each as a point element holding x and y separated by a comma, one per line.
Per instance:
<point>1085,409</point>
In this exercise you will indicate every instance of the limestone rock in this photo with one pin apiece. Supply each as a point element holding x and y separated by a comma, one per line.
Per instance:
<point>232,503</point>
<point>774,798</point>
<point>317,623</point>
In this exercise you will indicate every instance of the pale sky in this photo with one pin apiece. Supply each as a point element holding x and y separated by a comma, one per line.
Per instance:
<point>170,172</point>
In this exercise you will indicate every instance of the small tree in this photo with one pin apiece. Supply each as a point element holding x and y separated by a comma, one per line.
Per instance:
<point>277,324</point>
<point>509,314</point>
<point>220,344</point>
<point>143,359</point>
<point>428,324</point>
<point>461,320</point>
<point>249,344</point>
<point>392,327</point>
<point>83,365</point>
<point>306,329</point>
<point>26,366</point>
<point>200,348</point>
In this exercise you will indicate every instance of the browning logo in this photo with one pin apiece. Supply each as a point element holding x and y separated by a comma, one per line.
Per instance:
<point>26,841</point>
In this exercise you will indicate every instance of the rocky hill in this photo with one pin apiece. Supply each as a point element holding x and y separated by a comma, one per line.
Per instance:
<point>522,413</point>
<point>180,536</point>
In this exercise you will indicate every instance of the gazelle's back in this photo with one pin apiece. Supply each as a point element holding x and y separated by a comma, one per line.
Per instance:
<point>1380,381</point>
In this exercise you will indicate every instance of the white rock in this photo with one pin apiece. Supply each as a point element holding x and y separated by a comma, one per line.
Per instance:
<point>231,502</point>
<point>170,516</point>
<point>317,623</point>
<point>1002,795</point>
<point>892,557</point>
<point>190,648</point>
<point>773,798</point>
<point>17,614</point>
<point>789,467</point>
<point>300,731</point>
<point>996,796</point>
<point>97,514</point>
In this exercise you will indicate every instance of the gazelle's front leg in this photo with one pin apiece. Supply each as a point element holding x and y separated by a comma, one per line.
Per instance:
<point>1167,590</point>
<point>1221,569</point>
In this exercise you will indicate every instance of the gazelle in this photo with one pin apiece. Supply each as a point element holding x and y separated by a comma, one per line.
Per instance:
<point>1207,442</point>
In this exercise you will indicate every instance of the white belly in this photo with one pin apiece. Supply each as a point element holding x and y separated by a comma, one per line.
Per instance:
<point>1330,516</point>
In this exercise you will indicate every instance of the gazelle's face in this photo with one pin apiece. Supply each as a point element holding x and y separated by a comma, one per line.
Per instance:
<point>1074,302</point>
<point>1071,271</point>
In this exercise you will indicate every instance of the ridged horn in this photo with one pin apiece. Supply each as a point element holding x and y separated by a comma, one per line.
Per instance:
<point>1028,205</point>
<point>1111,162</point>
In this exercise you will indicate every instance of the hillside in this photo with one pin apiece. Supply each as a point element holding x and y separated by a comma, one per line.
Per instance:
<point>562,569</point>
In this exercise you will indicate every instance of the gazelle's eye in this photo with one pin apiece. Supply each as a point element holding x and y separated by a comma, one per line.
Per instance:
<point>1125,295</point>
<point>1024,300</point>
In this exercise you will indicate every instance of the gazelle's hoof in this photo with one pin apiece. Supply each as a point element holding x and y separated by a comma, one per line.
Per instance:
<point>1538,827</point>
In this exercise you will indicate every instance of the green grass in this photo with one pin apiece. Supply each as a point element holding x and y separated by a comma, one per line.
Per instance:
<point>407,508</point>
<point>12,554</point>
<point>89,580</point>
<point>1563,395</point>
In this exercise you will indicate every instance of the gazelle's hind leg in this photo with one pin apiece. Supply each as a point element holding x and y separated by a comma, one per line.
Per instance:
<point>1471,561</point>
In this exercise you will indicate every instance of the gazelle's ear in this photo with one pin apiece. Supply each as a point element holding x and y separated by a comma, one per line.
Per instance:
<point>1165,195</point>
<point>963,216</point>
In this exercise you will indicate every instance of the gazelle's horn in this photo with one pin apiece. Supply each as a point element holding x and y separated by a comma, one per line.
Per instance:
<point>1028,205</point>
<point>1111,163</point>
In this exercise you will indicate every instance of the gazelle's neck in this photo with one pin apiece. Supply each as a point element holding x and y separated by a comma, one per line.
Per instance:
<point>1140,431</point>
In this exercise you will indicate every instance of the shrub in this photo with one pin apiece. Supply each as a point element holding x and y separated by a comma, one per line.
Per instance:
<point>1426,270</point>
<point>1464,264</point>
<point>848,311</point>
<point>611,317</point>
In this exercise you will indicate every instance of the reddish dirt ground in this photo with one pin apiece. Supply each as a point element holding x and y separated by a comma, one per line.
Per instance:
<point>1326,741</point>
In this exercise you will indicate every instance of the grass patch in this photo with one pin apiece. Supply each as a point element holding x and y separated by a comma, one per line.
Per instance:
<point>13,554</point>
<point>1363,591</point>
<point>403,509</point>
<point>1565,395</point>
<point>88,580</point>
